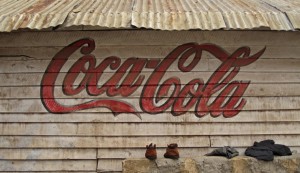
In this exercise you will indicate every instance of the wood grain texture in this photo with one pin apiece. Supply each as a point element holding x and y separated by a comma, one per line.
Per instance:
<point>76,117</point>
<point>47,154</point>
<point>245,141</point>
<point>140,51</point>
<point>262,65</point>
<point>147,129</point>
<point>109,165</point>
<point>34,79</point>
<point>254,90</point>
<point>266,65</point>
<point>248,38</point>
<point>36,66</point>
<point>47,165</point>
<point>32,139</point>
<point>253,104</point>
<point>61,171</point>
<point>98,142</point>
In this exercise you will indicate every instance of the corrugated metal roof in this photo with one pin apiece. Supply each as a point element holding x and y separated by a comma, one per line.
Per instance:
<point>176,15</point>
<point>290,7</point>
<point>153,14</point>
<point>249,14</point>
<point>104,13</point>
<point>33,14</point>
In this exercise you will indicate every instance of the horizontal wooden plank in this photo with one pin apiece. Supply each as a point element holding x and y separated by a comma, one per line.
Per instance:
<point>109,165</point>
<point>61,38</point>
<point>49,172</point>
<point>99,142</point>
<point>265,65</point>
<point>245,141</point>
<point>47,154</point>
<point>47,165</point>
<point>141,51</point>
<point>34,79</point>
<point>253,104</point>
<point>261,65</point>
<point>146,129</point>
<point>100,52</point>
<point>243,116</point>
<point>254,90</point>
<point>34,66</point>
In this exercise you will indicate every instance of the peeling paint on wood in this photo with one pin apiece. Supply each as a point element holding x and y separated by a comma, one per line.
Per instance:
<point>31,136</point>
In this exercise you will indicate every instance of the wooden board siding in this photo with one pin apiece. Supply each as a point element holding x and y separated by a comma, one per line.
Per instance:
<point>32,139</point>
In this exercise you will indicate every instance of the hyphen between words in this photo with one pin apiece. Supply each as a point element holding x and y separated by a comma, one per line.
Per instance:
<point>229,101</point>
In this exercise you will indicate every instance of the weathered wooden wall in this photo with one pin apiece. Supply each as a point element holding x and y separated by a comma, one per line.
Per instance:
<point>34,140</point>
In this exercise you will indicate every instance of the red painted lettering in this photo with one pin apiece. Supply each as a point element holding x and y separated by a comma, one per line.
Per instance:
<point>220,95</point>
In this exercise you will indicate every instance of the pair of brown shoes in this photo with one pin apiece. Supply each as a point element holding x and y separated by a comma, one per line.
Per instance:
<point>171,152</point>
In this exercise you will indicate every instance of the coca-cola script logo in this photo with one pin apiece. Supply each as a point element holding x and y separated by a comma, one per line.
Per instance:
<point>193,95</point>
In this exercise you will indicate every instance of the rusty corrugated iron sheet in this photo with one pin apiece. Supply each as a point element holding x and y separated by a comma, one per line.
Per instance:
<point>290,7</point>
<point>250,14</point>
<point>34,14</point>
<point>104,13</point>
<point>177,15</point>
<point>152,14</point>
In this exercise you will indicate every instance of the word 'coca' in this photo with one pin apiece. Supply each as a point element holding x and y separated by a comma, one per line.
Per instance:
<point>228,102</point>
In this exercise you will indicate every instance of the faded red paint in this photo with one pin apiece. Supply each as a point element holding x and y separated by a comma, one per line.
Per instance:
<point>221,81</point>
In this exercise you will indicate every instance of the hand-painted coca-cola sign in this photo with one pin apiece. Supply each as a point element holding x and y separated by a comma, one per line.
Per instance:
<point>228,102</point>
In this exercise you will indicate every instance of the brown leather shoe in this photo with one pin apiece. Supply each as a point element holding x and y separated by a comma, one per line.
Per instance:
<point>172,151</point>
<point>151,152</point>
